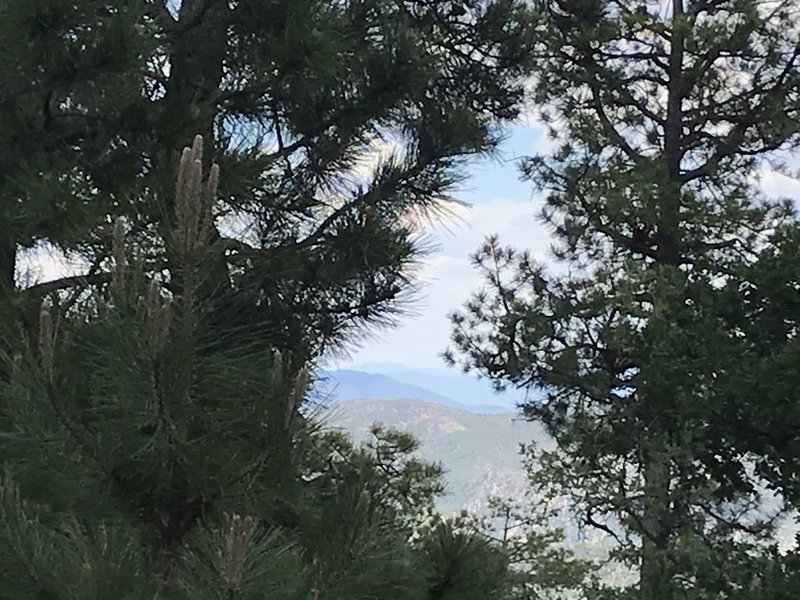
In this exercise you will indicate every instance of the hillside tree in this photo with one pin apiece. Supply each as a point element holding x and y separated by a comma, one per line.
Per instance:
<point>663,344</point>
<point>146,456</point>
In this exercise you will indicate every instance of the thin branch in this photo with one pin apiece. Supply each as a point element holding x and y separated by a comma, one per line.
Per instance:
<point>590,520</point>
<point>67,282</point>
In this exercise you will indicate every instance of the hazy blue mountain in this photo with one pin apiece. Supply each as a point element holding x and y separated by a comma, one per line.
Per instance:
<point>384,368</point>
<point>344,384</point>
<point>465,388</point>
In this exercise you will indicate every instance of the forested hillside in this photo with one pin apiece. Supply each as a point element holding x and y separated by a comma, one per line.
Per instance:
<point>479,453</point>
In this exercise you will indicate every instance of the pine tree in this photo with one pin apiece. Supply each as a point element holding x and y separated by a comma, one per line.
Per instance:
<point>464,564</point>
<point>663,347</point>
<point>146,456</point>
<point>338,125</point>
<point>154,417</point>
<point>541,564</point>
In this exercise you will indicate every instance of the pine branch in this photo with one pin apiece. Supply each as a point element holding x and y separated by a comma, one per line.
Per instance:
<point>82,281</point>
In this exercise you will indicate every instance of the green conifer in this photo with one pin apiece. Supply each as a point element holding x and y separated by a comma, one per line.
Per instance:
<point>659,351</point>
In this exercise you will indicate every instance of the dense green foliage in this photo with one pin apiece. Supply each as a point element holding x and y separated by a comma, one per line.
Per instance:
<point>146,456</point>
<point>668,348</point>
<point>338,126</point>
<point>156,429</point>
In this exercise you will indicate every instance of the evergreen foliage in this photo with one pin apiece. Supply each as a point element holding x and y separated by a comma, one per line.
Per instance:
<point>665,348</point>
<point>542,567</point>
<point>148,457</point>
<point>156,427</point>
<point>339,126</point>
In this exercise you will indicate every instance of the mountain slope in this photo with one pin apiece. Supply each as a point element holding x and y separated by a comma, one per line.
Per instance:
<point>480,452</point>
<point>480,455</point>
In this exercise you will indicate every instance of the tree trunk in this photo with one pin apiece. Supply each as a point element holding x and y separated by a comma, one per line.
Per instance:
<point>655,578</point>
<point>8,264</point>
<point>198,49</point>
<point>655,575</point>
<point>199,46</point>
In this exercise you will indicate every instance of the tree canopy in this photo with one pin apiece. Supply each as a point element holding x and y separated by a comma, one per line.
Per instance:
<point>157,424</point>
<point>339,126</point>
<point>664,348</point>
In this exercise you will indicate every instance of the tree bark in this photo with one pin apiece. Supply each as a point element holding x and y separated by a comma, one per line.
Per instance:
<point>669,242</point>
<point>8,263</point>
<point>655,576</point>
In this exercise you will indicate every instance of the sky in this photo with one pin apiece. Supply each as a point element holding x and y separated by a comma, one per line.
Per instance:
<point>501,204</point>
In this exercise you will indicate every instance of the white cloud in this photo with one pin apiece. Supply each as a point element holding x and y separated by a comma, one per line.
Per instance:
<point>378,150</point>
<point>45,262</point>
<point>778,185</point>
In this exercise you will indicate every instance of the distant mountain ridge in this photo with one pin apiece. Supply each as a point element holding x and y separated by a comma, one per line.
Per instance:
<point>397,382</point>
<point>353,385</point>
